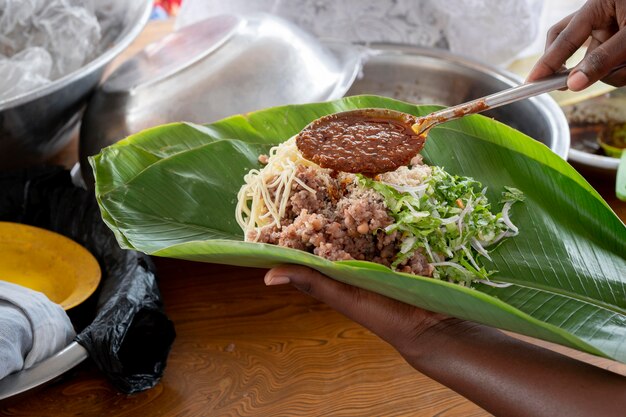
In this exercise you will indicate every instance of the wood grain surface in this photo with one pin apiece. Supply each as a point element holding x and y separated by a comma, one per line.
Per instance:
<point>244,349</point>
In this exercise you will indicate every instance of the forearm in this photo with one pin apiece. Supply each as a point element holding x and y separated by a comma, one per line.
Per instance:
<point>510,377</point>
<point>506,376</point>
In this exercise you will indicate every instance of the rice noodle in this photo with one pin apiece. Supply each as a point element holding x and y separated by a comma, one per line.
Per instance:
<point>255,207</point>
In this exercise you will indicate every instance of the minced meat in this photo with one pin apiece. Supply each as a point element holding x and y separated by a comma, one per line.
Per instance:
<point>340,221</point>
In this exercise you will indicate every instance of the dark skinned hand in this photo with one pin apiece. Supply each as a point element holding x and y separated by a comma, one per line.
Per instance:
<point>603,22</point>
<point>502,374</point>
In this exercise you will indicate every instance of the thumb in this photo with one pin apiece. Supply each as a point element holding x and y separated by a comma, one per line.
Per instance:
<point>396,322</point>
<point>599,63</point>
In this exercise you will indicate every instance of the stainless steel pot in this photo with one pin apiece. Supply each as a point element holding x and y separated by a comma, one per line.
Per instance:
<point>35,125</point>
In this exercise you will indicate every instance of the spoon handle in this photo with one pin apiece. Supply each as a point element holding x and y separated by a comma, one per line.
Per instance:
<point>550,83</point>
<point>545,85</point>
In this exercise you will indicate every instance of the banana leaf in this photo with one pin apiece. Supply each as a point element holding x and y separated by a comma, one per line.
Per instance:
<point>171,191</point>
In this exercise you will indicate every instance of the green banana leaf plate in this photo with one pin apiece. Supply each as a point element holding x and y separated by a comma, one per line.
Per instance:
<point>171,191</point>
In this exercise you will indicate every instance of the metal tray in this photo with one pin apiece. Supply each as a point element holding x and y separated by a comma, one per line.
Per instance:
<point>45,371</point>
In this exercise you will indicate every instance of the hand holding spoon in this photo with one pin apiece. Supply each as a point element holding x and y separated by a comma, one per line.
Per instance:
<point>553,82</point>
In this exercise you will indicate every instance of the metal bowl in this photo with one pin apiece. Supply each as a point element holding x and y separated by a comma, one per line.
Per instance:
<point>35,125</point>
<point>218,67</point>
<point>433,76</point>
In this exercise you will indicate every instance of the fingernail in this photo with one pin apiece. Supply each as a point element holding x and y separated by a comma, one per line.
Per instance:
<point>276,279</point>
<point>577,81</point>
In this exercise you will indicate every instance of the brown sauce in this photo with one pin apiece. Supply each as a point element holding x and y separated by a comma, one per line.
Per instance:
<point>367,141</point>
<point>424,124</point>
<point>587,137</point>
<point>472,107</point>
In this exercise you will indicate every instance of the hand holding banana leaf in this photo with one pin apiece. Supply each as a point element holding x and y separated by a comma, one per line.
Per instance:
<point>502,374</point>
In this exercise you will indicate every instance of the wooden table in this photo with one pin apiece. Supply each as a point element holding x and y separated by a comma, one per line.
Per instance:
<point>244,349</point>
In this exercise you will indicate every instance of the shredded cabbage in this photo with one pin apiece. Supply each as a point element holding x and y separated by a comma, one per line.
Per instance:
<point>449,218</point>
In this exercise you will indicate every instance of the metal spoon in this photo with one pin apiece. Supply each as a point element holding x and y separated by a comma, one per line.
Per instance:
<point>373,141</point>
<point>552,82</point>
<point>511,95</point>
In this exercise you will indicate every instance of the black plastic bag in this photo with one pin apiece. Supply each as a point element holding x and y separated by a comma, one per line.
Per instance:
<point>123,326</point>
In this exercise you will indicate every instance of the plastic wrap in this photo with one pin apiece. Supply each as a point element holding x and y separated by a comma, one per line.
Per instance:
<point>71,33</point>
<point>123,325</point>
<point>24,71</point>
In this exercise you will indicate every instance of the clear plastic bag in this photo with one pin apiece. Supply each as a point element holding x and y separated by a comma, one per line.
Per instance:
<point>24,71</point>
<point>71,32</point>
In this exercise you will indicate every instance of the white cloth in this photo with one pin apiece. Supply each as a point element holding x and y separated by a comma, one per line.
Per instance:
<point>492,31</point>
<point>32,328</point>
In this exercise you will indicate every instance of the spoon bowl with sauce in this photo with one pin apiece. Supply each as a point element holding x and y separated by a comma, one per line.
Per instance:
<point>373,141</point>
<point>368,141</point>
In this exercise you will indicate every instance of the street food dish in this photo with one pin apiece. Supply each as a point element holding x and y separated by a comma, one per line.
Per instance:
<point>413,218</point>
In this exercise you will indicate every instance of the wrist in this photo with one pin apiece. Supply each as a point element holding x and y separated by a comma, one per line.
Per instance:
<point>438,336</point>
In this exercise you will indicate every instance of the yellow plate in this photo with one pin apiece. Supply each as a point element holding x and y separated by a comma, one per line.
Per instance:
<point>47,262</point>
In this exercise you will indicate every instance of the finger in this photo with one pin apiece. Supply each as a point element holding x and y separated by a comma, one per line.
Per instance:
<point>556,30</point>
<point>598,37</point>
<point>616,78</point>
<point>599,63</point>
<point>565,43</point>
<point>540,71</point>
<point>593,44</point>
<point>390,319</point>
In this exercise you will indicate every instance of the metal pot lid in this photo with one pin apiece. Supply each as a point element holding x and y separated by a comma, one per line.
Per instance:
<point>259,51</point>
<point>172,54</point>
<point>216,68</point>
